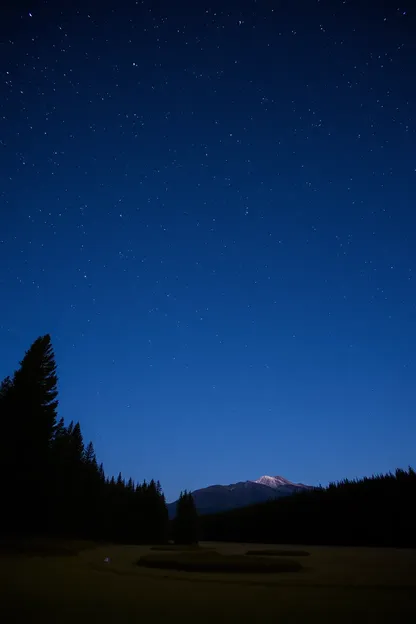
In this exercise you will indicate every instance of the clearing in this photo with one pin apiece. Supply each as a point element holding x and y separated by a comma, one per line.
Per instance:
<point>335,585</point>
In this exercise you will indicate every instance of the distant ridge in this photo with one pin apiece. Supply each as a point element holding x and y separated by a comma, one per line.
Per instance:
<point>216,498</point>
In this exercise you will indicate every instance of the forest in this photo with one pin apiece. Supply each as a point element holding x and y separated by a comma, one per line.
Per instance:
<point>373,511</point>
<point>53,485</point>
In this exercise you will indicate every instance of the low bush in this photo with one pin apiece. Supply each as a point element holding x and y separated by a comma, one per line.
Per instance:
<point>215,562</point>
<point>180,548</point>
<point>270,552</point>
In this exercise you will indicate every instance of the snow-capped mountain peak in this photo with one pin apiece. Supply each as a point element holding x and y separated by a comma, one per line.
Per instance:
<point>273,482</point>
<point>219,498</point>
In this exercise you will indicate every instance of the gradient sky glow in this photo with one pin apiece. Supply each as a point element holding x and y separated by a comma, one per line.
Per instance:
<point>210,206</point>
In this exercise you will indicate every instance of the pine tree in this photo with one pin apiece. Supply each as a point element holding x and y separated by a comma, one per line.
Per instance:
<point>76,480</point>
<point>5,389</point>
<point>89,455</point>
<point>8,428</point>
<point>185,523</point>
<point>77,445</point>
<point>59,429</point>
<point>31,399</point>
<point>9,456</point>
<point>51,481</point>
<point>91,493</point>
<point>58,469</point>
<point>163,517</point>
<point>155,514</point>
<point>35,386</point>
<point>120,481</point>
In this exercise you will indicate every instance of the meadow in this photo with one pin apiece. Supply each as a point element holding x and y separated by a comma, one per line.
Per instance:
<point>74,583</point>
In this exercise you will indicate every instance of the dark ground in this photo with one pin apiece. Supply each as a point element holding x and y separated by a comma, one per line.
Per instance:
<point>336,585</point>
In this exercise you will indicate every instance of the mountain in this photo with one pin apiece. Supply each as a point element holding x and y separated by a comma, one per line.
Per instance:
<point>215,498</point>
<point>277,482</point>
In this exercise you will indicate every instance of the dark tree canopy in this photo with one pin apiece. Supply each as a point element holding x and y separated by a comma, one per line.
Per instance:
<point>185,523</point>
<point>28,421</point>
<point>374,511</point>
<point>54,483</point>
<point>35,388</point>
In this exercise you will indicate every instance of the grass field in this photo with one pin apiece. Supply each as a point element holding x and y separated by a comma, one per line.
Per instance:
<point>335,585</point>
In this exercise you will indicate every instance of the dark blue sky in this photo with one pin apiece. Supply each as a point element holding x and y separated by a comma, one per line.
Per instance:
<point>210,206</point>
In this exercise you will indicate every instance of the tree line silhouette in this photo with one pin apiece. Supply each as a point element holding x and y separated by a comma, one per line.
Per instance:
<point>185,525</point>
<point>52,483</point>
<point>373,511</point>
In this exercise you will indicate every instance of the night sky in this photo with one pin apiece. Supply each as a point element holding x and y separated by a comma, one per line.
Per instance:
<point>210,206</point>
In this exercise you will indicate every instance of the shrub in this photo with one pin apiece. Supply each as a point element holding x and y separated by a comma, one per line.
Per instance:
<point>270,552</point>
<point>214,562</point>
<point>180,547</point>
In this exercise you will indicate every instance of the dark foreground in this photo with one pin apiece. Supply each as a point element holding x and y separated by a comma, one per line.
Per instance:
<point>336,585</point>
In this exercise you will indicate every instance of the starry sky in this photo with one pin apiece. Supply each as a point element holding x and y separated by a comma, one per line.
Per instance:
<point>210,206</point>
